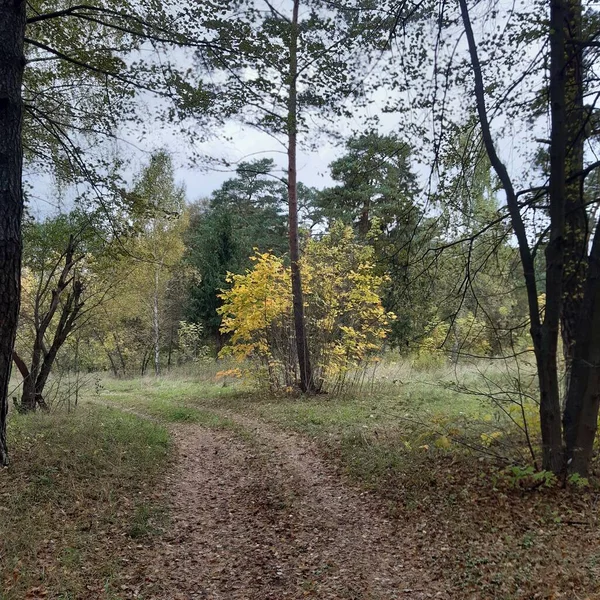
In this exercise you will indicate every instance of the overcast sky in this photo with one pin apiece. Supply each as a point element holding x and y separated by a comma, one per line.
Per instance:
<point>235,143</point>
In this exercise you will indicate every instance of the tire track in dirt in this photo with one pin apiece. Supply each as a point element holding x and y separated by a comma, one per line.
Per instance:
<point>269,520</point>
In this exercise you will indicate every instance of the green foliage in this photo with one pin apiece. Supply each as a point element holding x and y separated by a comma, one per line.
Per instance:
<point>144,305</point>
<point>578,481</point>
<point>375,181</point>
<point>190,336</point>
<point>526,477</point>
<point>86,72</point>
<point>251,58</point>
<point>246,212</point>
<point>377,193</point>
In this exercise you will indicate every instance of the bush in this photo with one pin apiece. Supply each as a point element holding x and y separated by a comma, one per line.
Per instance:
<point>346,322</point>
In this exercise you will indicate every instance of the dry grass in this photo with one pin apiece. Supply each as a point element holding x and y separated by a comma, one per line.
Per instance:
<point>77,498</point>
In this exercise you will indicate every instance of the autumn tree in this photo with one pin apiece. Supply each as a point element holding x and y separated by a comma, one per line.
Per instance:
<point>348,322</point>
<point>282,65</point>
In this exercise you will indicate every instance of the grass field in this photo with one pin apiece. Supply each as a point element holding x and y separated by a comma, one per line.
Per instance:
<point>401,409</point>
<point>77,497</point>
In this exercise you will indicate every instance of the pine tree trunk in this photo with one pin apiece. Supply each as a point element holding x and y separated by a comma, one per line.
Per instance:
<point>155,323</point>
<point>12,64</point>
<point>306,377</point>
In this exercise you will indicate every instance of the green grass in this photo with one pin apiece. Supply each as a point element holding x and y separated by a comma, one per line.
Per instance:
<point>400,399</point>
<point>385,423</point>
<point>79,489</point>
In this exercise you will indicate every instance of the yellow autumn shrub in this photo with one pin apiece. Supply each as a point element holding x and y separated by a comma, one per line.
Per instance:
<point>346,322</point>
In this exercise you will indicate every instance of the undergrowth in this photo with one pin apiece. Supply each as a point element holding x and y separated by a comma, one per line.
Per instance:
<point>77,497</point>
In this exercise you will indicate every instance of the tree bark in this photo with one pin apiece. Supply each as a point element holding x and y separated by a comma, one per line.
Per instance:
<point>12,64</point>
<point>580,419</point>
<point>307,383</point>
<point>576,236</point>
<point>547,348</point>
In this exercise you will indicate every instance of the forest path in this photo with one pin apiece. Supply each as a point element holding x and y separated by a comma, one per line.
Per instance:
<point>260,516</point>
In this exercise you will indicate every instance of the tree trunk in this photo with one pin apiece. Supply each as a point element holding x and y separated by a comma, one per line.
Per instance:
<point>547,347</point>
<point>145,360</point>
<point>12,64</point>
<point>306,377</point>
<point>550,414</point>
<point>576,237</point>
<point>170,352</point>
<point>28,396</point>
<point>120,354</point>
<point>580,419</point>
<point>155,322</point>
<point>364,223</point>
<point>77,342</point>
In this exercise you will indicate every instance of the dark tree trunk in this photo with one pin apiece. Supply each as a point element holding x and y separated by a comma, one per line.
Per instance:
<point>156,322</point>
<point>364,223</point>
<point>12,64</point>
<point>28,396</point>
<point>171,345</point>
<point>544,335</point>
<point>576,236</point>
<point>580,419</point>
<point>120,354</point>
<point>307,383</point>
<point>547,346</point>
<point>145,360</point>
<point>66,324</point>
<point>113,366</point>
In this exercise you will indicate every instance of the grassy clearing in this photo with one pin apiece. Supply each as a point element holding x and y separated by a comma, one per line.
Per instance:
<point>79,494</point>
<point>487,533</point>
<point>167,400</point>
<point>402,407</point>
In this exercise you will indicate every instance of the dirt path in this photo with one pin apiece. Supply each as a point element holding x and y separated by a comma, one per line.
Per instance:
<point>270,520</point>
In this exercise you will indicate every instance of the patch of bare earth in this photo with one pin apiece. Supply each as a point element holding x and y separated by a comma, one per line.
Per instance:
<point>270,520</point>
